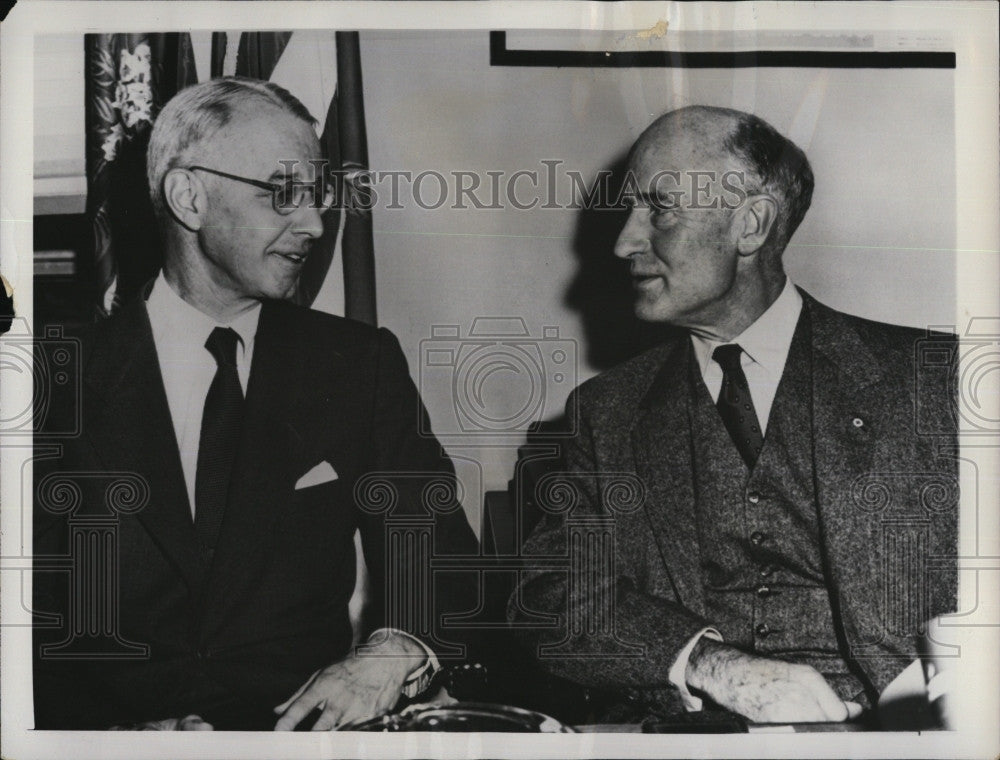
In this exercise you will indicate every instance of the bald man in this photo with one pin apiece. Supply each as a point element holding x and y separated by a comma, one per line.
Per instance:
<point>756,573</point>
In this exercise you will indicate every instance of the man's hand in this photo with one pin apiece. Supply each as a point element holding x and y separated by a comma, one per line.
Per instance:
<point>765,690</point>
<point>187,723</point>
<point>365,684</point>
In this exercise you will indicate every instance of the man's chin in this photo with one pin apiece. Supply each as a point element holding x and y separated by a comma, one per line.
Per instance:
<point>291,289</point>
<point>282,290</point>
<point>652,312</point>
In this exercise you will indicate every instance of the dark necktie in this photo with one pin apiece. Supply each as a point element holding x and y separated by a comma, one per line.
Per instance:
<point>736,406</point>
<point>220,434</point>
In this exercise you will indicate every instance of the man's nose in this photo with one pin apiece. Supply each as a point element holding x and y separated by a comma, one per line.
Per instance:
<point>308,221</point>
<point>633,238</point>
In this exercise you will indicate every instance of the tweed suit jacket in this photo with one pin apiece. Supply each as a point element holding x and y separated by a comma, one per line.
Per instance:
<point>230,638</point>
<point>884,449</point>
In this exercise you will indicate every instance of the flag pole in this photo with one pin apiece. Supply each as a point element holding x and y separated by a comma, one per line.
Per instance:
<point>358,244</point>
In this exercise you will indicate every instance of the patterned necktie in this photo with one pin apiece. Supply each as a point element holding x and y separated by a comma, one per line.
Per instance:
<point>220,435</point>
<point>736,406</point>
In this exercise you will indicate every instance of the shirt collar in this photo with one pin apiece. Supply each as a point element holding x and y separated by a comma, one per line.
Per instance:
<point>767,340</point>
<point>170,315</point>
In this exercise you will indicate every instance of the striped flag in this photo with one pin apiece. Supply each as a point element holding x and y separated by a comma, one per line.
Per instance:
<point>321,68</point>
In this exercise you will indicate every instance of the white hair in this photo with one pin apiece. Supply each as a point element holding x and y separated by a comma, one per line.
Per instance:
<point>196,113</point>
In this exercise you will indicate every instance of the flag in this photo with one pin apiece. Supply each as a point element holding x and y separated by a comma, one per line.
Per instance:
<point>130,77</point>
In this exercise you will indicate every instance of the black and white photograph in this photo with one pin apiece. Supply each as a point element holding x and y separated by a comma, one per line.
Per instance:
<point>380,377</point>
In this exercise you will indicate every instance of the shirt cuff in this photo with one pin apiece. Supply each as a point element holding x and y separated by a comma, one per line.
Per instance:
<point>420,678</point>
<point>678,671</point>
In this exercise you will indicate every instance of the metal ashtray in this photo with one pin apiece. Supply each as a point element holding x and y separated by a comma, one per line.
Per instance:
<point>463,716</point>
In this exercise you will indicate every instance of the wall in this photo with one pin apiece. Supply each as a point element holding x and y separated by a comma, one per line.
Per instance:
<point>60,184</point>
<point>877,242</point>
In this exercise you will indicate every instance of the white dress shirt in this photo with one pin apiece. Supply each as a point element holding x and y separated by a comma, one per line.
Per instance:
<point>765,346</point>
<point>188,368</point>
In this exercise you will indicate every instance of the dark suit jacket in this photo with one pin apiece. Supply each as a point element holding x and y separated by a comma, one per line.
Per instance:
<point>884,438</point>
<point>231,639</point>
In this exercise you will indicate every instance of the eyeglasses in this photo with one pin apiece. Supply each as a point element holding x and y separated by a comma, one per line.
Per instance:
<point>287,196</point>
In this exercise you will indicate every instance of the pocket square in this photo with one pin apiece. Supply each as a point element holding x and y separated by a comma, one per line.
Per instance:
<point>321,473</point>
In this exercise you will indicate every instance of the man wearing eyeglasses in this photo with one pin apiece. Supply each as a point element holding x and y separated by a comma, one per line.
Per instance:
<point>255,425</point>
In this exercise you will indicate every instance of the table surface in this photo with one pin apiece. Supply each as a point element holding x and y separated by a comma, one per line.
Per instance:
<point>759,728</point>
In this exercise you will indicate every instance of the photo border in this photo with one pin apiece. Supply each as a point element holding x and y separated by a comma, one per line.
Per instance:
<point>973,28</point>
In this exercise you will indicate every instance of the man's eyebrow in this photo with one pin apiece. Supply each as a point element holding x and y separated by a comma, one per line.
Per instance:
<point>651,199</point>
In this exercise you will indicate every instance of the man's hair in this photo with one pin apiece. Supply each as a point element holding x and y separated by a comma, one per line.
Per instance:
<point>776,166</point>
<point>773,163</point>
<point>196,113</point>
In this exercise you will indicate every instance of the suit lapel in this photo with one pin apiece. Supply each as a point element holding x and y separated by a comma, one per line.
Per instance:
<point>661,445</point>
<point>131,428</point>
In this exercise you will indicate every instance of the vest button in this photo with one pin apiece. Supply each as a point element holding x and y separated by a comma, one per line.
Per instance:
<point>757,538</point>
<point>753,498</point>
<point>763,591</point>
<point>763,629</point>
<point>766,571</point>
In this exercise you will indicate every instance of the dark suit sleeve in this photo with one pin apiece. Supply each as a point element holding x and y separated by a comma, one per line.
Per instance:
<point>69,692</point>
<point>650,629</point>
<point>409,468</point>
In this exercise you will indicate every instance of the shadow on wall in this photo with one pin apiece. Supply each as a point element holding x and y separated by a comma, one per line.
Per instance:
<point>602,291</point>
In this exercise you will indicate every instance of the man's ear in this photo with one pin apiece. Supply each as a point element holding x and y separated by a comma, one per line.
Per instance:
<point>185,196</point>
<point>758,216</point>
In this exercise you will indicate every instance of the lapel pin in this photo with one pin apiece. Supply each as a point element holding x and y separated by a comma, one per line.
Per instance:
<point>858,422</point>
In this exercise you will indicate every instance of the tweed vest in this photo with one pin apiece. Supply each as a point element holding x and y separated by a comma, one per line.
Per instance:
<point>761,561</point>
